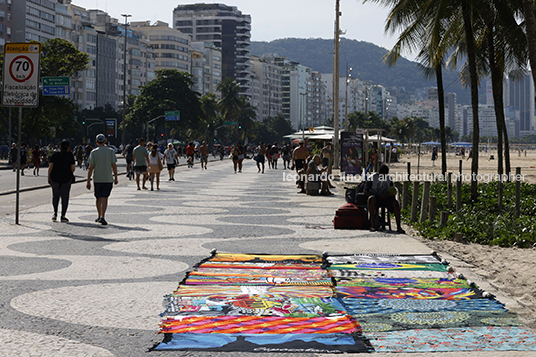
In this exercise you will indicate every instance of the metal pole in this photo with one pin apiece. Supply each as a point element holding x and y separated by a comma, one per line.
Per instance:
<point>346,100</point>
<point>19,144</point>
<point>336,89</point>
<point>10,138</point>
<point>123,134</point>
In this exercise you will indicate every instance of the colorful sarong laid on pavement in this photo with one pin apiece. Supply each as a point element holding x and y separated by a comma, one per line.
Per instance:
<point>335,304</point>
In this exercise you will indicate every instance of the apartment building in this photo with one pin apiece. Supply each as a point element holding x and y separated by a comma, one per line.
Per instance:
<point>206,67</point>
<point>33,20</point>
<point>226,28</point>
<point>269,102</point>
<point>6,22</point>
<point>171,47</point>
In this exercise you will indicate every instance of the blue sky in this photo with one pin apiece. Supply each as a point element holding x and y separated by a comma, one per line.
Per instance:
<point>273,19</point>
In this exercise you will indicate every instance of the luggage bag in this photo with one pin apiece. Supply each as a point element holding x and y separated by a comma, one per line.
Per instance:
<point>350,216</point>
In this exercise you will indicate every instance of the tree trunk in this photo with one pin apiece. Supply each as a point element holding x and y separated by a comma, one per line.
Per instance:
<point>466,9</point>
<point>441,100</point>
<point>497,82</point>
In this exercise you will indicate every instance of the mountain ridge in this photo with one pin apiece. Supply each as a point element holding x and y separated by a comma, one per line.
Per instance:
<point>366,59</point>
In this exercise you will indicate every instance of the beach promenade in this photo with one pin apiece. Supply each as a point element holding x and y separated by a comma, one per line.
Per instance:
<point>82,289</point>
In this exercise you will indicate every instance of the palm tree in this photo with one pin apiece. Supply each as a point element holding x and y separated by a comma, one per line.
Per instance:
<point>209,109</point>
<point>230,104</point>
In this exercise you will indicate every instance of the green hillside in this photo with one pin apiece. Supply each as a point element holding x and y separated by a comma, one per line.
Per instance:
<point>366,60</point>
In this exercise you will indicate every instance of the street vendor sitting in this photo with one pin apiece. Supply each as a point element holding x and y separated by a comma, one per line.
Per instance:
<point>381,193</point>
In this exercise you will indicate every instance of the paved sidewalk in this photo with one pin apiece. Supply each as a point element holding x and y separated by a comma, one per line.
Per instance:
<point>82,289</point>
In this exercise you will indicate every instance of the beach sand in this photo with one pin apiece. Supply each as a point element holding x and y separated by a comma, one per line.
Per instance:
<point>512,271</point>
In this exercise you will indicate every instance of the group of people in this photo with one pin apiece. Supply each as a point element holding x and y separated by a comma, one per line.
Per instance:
<point>31,157</point>
<point>271,153</point>
<point>102,171</point>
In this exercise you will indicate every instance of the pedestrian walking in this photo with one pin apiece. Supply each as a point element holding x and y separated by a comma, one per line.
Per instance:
<point>275,155</point>
<point>261,151</point>
<point>434,155</point>
<point>286,152</point>
<point>102,161</point>
<point>190,150</point>
<point>203,151</point>
<point>238,157</point>
<point>60,177</point>
<point>140,157</point>
<point>36,157</point>
<point>155,166</point>
<point>13,153</point>
<point>171,158</point>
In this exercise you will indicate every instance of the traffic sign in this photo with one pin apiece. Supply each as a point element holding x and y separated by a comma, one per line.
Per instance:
<point>173,116</point>
<point>230,123</point>
<point>21,75</point>
<point>56,85</point>
<point>56,90</point>
<point>56,81</point>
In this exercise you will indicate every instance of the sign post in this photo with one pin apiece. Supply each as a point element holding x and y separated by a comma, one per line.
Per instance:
<point>21,88</point>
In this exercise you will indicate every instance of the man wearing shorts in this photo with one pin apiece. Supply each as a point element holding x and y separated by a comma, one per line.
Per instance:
<point>203,151</point>
<point>299,155</point>
<point>171,159</point>
<point>140,156</point>
<point>102,161</point>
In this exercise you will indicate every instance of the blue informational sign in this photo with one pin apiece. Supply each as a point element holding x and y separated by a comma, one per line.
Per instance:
<point>57,90</point>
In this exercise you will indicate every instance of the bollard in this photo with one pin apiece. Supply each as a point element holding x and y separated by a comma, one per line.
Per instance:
<point>518,191</point>
<point>444,218</point>
<point>458,194</point>
<point>405,193</point>
<point>414,201</point>
<point>449,190</point>
<point>424,202</point>
<point>432,211</point>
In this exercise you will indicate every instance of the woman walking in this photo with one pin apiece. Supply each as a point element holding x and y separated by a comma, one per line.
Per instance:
<point>60,176</point>
<point>155,166</point>
<point>36,157</point>
<point>238,157</point>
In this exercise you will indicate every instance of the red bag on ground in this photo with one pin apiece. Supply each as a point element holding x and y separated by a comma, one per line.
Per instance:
<point>350,216</point>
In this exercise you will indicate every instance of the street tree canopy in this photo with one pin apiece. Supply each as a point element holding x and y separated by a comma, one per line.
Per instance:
<point>171,90</point>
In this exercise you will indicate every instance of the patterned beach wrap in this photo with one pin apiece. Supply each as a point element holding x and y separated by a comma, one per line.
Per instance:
<point>422,283</point>
<point>490,338</point>
<point>391,306</point>
<point>411,274</point>
<point>260,325</point>
<point>407,293</point>
<point>218,291</point>
<point>390,266</point>
<point>264,265</point>
<point>438,319</point>
<point>258,277</point>
<point>291,343</point>
<point>383,258</point>
<point>266,258</point>
<point>246,305</point>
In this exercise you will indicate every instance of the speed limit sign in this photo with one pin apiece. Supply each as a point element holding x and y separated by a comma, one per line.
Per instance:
<point>21,75</point>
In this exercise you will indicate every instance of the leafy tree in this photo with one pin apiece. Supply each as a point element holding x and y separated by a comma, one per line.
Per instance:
<point>61,58</point>
<point>171,90</point>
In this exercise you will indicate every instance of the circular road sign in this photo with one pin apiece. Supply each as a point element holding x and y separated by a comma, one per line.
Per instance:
<point>21,68</point>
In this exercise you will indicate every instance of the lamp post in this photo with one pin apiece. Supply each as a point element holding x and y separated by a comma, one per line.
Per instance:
<point>348,77</point>
<point>303,97</point>
<point>123,133</point>
<point>336,85</point>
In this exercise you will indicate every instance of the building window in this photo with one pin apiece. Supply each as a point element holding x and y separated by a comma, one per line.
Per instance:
<point>90,84</point>
<point>91,38</point>
<point>91,49</point>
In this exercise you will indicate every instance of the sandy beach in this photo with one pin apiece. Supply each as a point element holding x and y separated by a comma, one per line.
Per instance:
<point>486,167</point>
<point>510,270</point>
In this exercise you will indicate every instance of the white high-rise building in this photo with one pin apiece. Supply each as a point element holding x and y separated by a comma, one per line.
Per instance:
<point>269,102</point>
